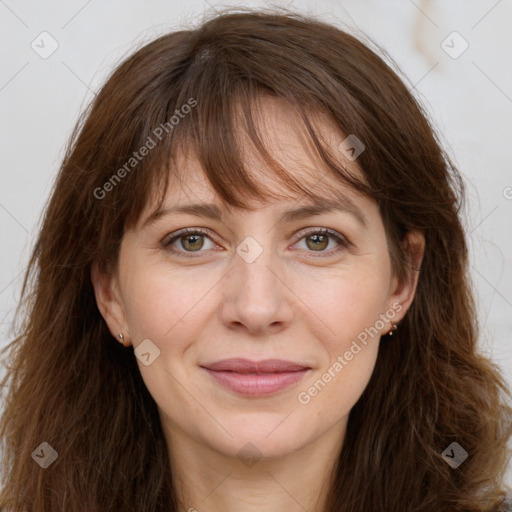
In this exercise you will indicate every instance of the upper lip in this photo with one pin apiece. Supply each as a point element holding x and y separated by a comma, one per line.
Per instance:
<point>240,365</point>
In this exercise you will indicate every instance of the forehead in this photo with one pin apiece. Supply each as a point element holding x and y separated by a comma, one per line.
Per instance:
<point>285,137</point>
<point>193,186</point>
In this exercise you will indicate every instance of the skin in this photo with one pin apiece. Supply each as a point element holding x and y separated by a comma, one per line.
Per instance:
<point>287,304</point>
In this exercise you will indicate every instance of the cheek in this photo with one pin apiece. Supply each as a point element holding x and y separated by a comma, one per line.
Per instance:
<point>347,303</point>
<point>337,387</point>
<point>160,303</point>
<point>350,308</point>
<point>167,308</point>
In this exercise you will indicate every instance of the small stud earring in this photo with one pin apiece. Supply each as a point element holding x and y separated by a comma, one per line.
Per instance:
<point>121,337</point>
<point>394,327</point>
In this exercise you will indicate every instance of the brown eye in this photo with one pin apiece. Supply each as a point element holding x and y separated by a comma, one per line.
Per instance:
<point>318,242</point>
<point>188,241</point>
<point>192,242</point>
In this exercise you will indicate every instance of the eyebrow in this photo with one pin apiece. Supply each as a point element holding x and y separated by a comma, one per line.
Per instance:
<point>214,212</point>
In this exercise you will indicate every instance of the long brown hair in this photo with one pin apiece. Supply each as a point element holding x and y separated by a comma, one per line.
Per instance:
<point>71,385</point>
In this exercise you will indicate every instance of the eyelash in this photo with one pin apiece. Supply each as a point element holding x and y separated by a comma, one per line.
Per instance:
<point>343,241</point>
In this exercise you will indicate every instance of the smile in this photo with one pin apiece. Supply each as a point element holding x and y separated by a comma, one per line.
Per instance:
<point>250,378</point>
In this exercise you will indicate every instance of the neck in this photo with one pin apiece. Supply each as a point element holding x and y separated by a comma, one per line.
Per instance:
<point>206,480</point>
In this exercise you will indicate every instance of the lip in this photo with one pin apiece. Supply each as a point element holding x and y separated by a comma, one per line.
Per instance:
<point>256,378</point>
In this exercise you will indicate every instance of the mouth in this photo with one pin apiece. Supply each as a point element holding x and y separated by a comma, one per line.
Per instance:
<point>256,378</point>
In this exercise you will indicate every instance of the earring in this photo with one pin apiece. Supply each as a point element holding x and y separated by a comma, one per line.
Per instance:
<point>121,337</point>
<point>394,327</point>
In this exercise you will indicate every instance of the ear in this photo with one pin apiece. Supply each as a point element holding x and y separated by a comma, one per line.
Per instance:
<point>402,292</point>
<point>109,302</point>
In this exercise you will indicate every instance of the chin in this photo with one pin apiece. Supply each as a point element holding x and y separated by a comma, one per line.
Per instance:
<point>259,440</point>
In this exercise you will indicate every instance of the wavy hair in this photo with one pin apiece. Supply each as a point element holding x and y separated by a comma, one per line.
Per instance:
<point>71,385</point>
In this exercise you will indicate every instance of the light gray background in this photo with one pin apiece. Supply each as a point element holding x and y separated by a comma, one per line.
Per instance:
<point>469,98</point>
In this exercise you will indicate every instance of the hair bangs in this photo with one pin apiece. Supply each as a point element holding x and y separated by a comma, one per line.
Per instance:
<point>224,125</point>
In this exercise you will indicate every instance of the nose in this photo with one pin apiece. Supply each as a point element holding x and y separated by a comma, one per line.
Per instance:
<point>256,296</point>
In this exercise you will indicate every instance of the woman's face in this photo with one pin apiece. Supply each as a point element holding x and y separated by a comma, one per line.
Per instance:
<point>259,285</point>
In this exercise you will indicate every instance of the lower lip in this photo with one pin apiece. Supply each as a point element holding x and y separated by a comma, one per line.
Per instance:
<point>251,384</point>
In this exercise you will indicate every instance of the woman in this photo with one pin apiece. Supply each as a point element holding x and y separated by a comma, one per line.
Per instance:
<point>250,292</point>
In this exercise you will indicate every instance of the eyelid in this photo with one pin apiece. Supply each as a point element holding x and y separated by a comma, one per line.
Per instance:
<point>323,230</point>
<point>342,240</point>
<point>172,237</point>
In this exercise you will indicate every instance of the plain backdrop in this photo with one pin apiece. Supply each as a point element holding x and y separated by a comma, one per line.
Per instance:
<point>455,56</point>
